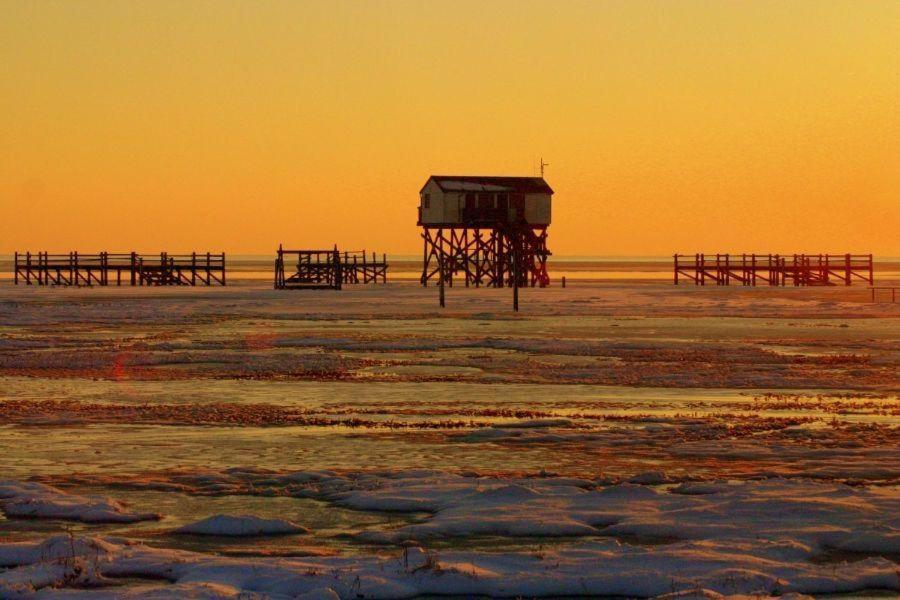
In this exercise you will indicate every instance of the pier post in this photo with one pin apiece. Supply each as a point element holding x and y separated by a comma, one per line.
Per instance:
<point>516,276</point>
<point>338,275</point>
<point>871,271</point>
<point>441,278</point>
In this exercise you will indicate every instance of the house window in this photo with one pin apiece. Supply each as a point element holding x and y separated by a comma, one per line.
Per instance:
<point>485,200</point>
<point>426,200</point>
<point>470,200</point>
<point>502,201</point>
<point>518,200</point>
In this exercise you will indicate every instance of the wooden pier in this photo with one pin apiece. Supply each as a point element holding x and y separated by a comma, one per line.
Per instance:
<point>327,269</point>
<point>773,269</point>
<point>109,268</point>
<point>357,267</point>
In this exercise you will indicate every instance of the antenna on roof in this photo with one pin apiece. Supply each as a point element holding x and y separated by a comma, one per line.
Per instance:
<point>543,164</point>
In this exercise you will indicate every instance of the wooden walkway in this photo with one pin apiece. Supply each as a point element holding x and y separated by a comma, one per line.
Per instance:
<point>773,269</point>
<point>108,268</point>
<point>327,269</point>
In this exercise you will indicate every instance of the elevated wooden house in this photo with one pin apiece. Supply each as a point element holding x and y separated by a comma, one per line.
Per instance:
<point>492,230</point>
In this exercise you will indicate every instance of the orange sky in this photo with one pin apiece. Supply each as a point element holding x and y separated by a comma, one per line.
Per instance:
<point>688,126</point>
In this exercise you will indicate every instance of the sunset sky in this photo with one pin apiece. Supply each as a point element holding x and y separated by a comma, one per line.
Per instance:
<point>668,126</point>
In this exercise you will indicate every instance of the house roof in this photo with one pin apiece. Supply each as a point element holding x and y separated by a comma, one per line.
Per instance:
<point>480,183</point>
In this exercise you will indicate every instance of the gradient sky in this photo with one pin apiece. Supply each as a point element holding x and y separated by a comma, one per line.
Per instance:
<point>669,126</point>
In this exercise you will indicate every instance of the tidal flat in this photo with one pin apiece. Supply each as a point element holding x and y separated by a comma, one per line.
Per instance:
<point>614,438</point>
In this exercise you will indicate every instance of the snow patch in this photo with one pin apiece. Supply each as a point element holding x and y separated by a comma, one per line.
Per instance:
<point>241,525</point>
<point>39,501</point>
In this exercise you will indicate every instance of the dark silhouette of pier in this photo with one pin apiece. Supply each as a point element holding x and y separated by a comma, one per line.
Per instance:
<point>327,269</point>
<point>774,269</point>
<point>110,268</point>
